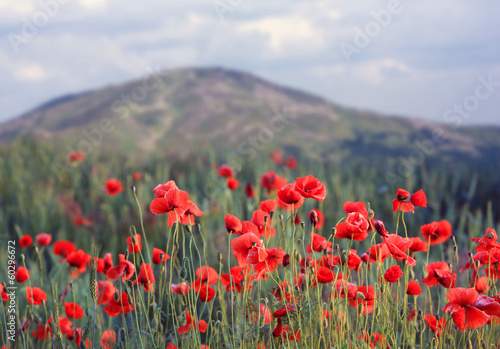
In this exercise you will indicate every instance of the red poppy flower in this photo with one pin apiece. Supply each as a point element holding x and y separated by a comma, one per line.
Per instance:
<point>207,274</point>
<point>192,323</point>
<point>188,216</point>
<point>159,256</point>
<point>401,202</point>
<point>108,339</point>
<point>481,285</point>
<point>271,181</point>
<point>413,288</point>
<point>43,239</point>
<point>181,288</point>
<point>43,332</point>
<point>77,259</point>
<point>233,224</point>
<point>273,259</point>
<point>232,183</point>
<point>358,206</point>
<point>365,296</point>
<point>436,326</point>
<point>283,291</point>
<point>79,221</point>
<point>161,189</point>
<point>108,262</point>
<point>277,156</point>
<point>120,306</point>
<point>291,162</point>
<point>418,245</point>
<point>175,202</point>
<point>289,197</point>
<point>324,275</point>
<point>134,243</point>
<point>464,313</point>
<point>105,291</point>
<point>249,191</point>
<point>317,218</point>
<point>146,277</point>
<point>268,205</point>
<point>311,187</point>
<point>3,292</point>
<point>125,270</point>
<point>489,305</point>
<point>488,241</point>
<point>73,310</point>
<point>35,295</point>
<point>398,246</point>
<point>233,280</point>
<point>439,273</point>
<point>393,274</point>
<point>242,245</point>
<point>352,259</point>
<point>263,223</point>
<point>286,333</point>
<point>76,156</point>
<point>22,274</point>
<point>113,187</point>
<point>225,171</point>
<point>318,244</point>
<point>355,227</point>
<point>63,248</point>
<point>329,261</point>
<point>376,253</point>
<point>25,241</point>
<point>137,176</point>
<point>436,232</point>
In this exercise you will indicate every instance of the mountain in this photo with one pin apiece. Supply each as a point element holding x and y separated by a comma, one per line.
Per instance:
<point>175,109</point>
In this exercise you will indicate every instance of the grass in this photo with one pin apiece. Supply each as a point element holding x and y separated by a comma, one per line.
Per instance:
<point>35,199</point>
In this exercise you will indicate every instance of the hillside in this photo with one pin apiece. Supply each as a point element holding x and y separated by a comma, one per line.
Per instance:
<point>180,108</point>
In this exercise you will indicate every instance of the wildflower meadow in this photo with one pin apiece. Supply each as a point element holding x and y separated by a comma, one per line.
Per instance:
<point>215,253</point>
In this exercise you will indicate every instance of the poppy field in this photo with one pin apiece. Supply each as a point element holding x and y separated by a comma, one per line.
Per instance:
<point>216,253</point>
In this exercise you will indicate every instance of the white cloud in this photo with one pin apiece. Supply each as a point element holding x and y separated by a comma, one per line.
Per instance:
<point>31,72</point>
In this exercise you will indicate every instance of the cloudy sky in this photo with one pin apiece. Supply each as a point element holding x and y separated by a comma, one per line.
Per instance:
<point>437,60</point>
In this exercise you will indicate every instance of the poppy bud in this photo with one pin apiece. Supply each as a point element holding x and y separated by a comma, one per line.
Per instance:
<point>271,214</point>
<point>380,228</point>
<point>117,296</point>
<point>314,218</point>
<point>382,288</point>
<point>266,218</point>
<point>360,295</point>
<point>286,260</point>
<point>152,302</point>
<point>133,189</point>
<point>299,242</point>
<point>183,273</point>
<point>337,247</point>
<point>455,248</point>
<point>303,225</point>
<point>187,227</point>
<point>130,299</point>
<point>371,214</point>
<point>361,308</point>
<point>332,307</point>
<point>219,257</point>
<point>419,315</point>
<point>70,285</point>
<point>377,312</point>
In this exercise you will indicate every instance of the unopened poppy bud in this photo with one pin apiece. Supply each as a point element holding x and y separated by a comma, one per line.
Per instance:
<point>266,218</point>
<point>332,307</point>
<point>286,260</point>
<point>337,248</point>
<point>371,214</point>
<point>187,227</point>
<point>130,299</point>
<point>70,285</point>
<point>361,308</point>
<point>117,296</point>
<point>313,217</point>
<point>133,189</point>
<point>382,288</point>
<point>152,301</point>
<point>299,242</point>
<point>455,248</point>
<point>360,295</point>
<point>303,225</point>
<point>219,257</point>
<point>380,228</point>
<point>377,312</point>
<point>271,214</point>
<point>183,273</point>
